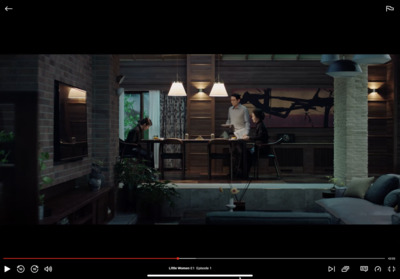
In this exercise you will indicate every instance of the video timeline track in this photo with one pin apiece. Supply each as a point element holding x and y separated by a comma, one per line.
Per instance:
<point>192,267</point>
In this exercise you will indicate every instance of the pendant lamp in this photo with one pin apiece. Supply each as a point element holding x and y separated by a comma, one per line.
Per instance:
<point>177,89</point>
<point>218,89</point>
<point>328,59</point>
<point>344,68</point>
<point>371,58</point>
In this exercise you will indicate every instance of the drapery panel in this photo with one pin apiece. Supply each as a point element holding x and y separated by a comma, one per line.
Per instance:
<point>154,115</point>
<point>172,122</point>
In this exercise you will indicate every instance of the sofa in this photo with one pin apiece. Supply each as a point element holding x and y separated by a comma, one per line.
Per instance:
<point>365,201</point>
<point>268,218</point>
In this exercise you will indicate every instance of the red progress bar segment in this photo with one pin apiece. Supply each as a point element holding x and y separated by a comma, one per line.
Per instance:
<point>78,258</point>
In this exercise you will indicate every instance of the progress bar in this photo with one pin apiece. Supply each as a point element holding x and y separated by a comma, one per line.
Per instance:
<point>184,258</point>
<point>200,275</point>
<point>282,258</point>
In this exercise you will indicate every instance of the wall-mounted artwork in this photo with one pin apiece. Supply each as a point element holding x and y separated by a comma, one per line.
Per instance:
<point>291,107</point>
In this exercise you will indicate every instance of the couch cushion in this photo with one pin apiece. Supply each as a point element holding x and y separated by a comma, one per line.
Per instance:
<point>357,211</point>
<point>392,199</point>
<point>357,187</point>
<point>381,187</point>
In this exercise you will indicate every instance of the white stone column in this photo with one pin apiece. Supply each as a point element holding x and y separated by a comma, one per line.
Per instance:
<point>351,126</point>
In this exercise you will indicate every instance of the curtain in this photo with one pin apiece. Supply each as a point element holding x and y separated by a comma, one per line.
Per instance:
<point>173,121</point>
<point>154,115</point>
<point>121,115</point>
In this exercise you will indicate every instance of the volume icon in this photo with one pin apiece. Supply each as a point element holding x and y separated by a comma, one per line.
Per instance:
<point>48,268</point>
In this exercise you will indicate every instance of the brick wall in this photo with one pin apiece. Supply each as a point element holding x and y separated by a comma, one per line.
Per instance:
<point>74,70</point>
<point>105,112</point>
<point>93,73</point>
<point>351,127</point>
<point>18,72</point>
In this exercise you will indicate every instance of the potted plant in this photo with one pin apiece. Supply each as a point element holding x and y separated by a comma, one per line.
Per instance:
<point>44,180</point>
<point>96,176</point>
<point>141,191</point>
<point>337,183</point>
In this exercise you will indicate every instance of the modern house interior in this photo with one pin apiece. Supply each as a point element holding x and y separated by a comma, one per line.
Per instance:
<point>335,117</point>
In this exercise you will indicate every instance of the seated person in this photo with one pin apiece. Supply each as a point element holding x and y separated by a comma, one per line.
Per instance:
<point>260,136</point>
<point>134,136</point>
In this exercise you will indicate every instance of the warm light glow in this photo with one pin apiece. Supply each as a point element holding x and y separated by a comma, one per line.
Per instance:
<point>218,90</point>
<point>375,84</point>
<point>200,84</point>
<point>200,95</point>
<point>177,89</point>
<point>75,93</point>
<point>374,96</point>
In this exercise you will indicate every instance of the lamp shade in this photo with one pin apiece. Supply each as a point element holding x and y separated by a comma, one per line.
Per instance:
<point>218,90</point>
<point>328,59</point>
<point>344,68</point>
<point>177,89</point>
<point>371,58</point>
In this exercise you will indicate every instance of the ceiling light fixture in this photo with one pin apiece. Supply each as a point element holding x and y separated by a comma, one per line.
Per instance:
<point>344,68</point>
<point>177,89</point>
<point>218,89</point>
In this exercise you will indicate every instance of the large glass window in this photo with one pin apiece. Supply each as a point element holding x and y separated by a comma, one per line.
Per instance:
<point>136,107</point>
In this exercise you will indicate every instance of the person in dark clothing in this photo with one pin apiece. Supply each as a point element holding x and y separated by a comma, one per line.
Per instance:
<point>260,135</point>
<point>135,135</point>
<point>261,132</point>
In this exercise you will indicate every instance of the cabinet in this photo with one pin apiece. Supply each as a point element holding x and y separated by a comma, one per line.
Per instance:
<point>311,157</point>
<point>81,206</point>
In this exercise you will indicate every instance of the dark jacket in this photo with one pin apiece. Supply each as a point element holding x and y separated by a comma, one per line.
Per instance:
<point>261,133</point>
<point>135,135</point>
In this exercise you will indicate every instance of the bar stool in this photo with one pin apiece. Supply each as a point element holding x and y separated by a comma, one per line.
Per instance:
<point>267,151</point>
<point>177,144</point>
<point>219,155</point>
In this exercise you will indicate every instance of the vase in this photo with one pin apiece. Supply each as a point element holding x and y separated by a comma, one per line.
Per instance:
<point>95,184</point>
<point>231,205</point>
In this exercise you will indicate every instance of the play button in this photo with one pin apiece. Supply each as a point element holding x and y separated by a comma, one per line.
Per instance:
<point>6,268</point>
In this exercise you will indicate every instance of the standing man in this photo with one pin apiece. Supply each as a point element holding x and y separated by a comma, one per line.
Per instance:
<point>238,116</point>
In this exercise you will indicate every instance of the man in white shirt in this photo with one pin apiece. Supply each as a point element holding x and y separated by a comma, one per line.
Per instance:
<point>238,116</point>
